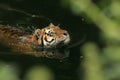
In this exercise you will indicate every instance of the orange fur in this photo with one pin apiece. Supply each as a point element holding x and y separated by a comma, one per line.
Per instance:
<point>19,41</point>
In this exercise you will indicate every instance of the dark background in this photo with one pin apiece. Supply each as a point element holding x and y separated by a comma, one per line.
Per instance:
<point>50,11</point>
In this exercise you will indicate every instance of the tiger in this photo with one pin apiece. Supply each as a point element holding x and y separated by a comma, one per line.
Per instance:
<point>17,40</point>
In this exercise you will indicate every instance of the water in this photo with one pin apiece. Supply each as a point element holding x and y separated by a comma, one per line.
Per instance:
<point>20,13</point>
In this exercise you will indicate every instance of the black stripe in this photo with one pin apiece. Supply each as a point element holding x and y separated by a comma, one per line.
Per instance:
<point>42,43</point>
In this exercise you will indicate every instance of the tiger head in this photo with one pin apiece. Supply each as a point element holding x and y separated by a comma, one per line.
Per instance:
<point>51,36</point>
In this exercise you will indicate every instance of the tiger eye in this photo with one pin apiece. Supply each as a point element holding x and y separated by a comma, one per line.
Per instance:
<point>52,33</point>
<point>49,32</point>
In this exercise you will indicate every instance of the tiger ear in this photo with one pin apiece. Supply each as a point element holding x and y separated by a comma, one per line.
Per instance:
<point>58,25</point>
<point>51,24</point>
<point>37,32</point>
<point>36,35</point>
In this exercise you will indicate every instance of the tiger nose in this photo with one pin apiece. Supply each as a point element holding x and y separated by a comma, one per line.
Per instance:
<point>65,33</point>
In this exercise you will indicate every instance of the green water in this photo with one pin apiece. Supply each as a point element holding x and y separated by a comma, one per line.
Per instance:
<point>12,13</point>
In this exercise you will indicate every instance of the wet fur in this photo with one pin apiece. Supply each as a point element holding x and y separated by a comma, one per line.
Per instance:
<point>10,37</point>
<point>19,41</point>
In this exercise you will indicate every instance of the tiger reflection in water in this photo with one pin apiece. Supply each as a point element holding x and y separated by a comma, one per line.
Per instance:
<point>50,37</point>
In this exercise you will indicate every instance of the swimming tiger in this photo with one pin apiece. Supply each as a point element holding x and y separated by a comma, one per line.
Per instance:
<point>18,41</point>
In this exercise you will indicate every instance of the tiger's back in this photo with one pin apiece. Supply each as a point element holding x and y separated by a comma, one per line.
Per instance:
<point>19,41</point>
<point>10,37</point>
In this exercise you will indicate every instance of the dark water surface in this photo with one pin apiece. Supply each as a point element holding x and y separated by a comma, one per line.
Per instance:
<point>78,27</point>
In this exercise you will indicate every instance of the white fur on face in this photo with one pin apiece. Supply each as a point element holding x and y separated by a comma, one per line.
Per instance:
<point>52,38</point>
<point>50,42</point>
<point>65,39</point>
<point>49,38</point>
